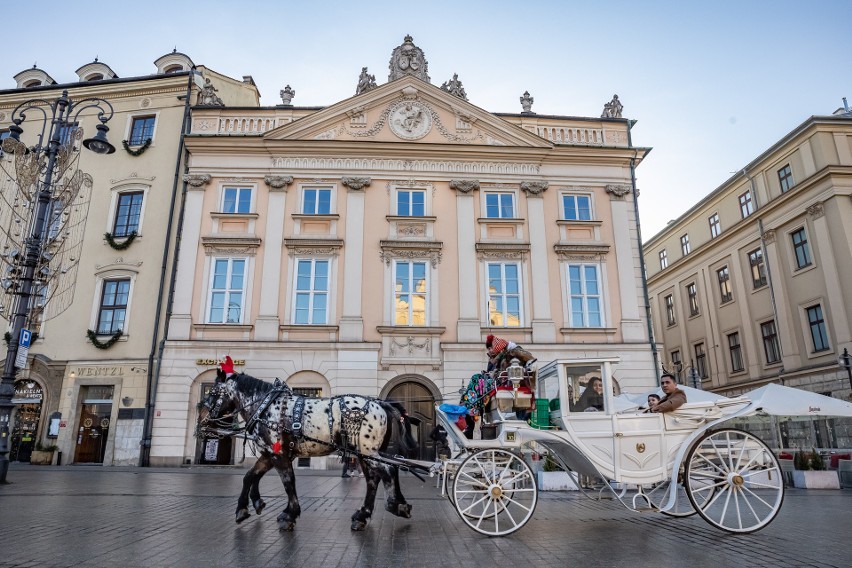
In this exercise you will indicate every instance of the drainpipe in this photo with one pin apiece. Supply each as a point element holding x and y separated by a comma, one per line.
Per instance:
<point>768,268</point>
<point>645,296</point>
<point>153,379</point>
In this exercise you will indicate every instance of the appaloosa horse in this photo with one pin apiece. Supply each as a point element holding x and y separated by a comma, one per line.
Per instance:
<point>283,426</point>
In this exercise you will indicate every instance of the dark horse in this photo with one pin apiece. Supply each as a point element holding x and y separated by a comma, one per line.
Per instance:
<point>283,426</point>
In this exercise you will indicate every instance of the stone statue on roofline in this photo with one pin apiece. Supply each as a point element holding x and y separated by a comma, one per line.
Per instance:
<point>454,87</point>
<point>287,94</point>
<point>366,82</point>
<point>207,96</point>
<point>613,108</point>
<point>408,60</point>
<point>527,102</point>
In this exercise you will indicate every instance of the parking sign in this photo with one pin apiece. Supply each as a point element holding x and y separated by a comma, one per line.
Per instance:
<point>23,348</point>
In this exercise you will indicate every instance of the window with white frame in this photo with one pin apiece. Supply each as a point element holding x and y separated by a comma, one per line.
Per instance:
<point>684,245</point>
<point>585,295</point>
<point>816,322</point>
<point>236,200</point>
<point>128,211</point>
<point>758,268</point>
<point>410,203</point>
<point>746,204</point>
<point>715,225</point>
<point>226,298</point>
<point>800,248</point>
<point>726,294</point>
<point>504,294</point>
<point>670,311</point>
<point>141,130</point>
<point>311,292</point>
<point>771,347</point>
<point>316,201</point>
<point>692,294</point>
<point>785,178</point>
<point>664,259</point>
<point>411,293</point>
<point>500,205</point>
<point>112,310</point>
<point>736,351</point>
<point>577,207</point>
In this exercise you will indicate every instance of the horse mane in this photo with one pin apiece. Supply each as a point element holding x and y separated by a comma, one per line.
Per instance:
<point>251,386</point>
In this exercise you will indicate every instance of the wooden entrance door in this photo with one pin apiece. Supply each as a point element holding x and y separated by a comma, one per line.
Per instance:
<point>93,432</point>
<point>419,403</point>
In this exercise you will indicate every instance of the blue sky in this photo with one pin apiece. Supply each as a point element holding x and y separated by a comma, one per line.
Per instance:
<point>712,84</point>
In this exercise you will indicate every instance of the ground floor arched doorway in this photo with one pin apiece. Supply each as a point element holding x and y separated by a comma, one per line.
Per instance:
<point>420,404</point>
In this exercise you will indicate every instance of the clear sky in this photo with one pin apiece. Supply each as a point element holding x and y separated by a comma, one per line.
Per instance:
<point>712,84</point>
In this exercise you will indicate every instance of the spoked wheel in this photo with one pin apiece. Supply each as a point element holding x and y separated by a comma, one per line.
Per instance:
<point>494,492</point>
<point>659,496</point>
<point>734,481</point>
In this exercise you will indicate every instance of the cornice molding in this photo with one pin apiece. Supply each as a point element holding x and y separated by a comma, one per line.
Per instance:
<point>395,249</point>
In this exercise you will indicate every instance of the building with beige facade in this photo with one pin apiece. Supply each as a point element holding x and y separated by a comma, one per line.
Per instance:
<point>370,246</point>
<point>747,287</point>
<point>94,403</point>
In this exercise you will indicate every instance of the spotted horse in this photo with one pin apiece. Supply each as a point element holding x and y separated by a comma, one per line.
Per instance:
<point>283,426</point>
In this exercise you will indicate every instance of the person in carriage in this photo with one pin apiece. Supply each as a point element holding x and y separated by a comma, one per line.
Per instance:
<point>674,397</point>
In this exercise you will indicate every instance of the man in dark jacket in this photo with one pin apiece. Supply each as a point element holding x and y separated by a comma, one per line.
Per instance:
<point>674,399</point>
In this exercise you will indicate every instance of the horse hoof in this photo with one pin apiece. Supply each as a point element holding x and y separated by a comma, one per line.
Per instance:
<point>286,526</point>
<point>242,515</point>
<point>358,525</point>
<point>399,509</point>
<point>259,505</point>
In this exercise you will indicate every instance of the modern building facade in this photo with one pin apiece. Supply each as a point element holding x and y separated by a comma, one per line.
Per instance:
<point>371,246</point>
<point>85,387</point>
<point>747,287</point>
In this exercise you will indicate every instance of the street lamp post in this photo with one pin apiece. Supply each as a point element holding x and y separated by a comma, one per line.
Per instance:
<point>60,117</point>
<point>845,361</point>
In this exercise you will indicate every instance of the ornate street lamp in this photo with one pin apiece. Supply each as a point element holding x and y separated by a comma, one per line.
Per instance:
<point>47,184</point>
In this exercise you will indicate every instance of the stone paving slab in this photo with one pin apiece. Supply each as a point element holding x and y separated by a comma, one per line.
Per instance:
<point>128,517</point>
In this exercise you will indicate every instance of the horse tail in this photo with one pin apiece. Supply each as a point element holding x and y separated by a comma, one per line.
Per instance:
<point>405,441</point>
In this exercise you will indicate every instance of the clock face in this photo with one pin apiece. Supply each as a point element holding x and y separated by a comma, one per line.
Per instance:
<point>410,120</point>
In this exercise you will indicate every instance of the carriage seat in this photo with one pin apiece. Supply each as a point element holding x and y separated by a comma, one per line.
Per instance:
<point>691,415</point>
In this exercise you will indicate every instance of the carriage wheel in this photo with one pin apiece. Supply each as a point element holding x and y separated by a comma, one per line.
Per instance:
<point>659,496</point>
<point>734,480</point>
<point>494,492</point>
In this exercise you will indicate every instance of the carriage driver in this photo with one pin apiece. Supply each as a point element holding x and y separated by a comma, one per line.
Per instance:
<point>674,399</point>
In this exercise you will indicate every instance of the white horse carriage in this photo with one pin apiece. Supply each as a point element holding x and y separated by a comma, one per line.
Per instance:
<point>678,463</point>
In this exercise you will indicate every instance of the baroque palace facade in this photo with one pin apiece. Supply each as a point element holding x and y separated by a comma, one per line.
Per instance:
<point>747,287</point>
<point>95,403</point>
<point>370,247</point>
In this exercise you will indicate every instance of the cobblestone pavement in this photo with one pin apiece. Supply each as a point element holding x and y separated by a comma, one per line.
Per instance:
<point>127,517</point>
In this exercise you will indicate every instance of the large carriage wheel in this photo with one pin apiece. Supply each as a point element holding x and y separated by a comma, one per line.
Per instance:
<point>658,495</point>
<point>494,492</point>
<point>734,480</point>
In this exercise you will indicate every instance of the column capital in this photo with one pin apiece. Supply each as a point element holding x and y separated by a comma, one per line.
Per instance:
<point>196,181</point>
<point>534,188</point>
<point>816,210</point>
<point>464,186</point>
<point>356,183</point>
<point>617,191</point>
<point>278,183</point>
<point>769,236</point>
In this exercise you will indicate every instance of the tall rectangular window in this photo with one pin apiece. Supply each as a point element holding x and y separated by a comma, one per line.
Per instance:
<point>677,363</point>
<point>54,218</point>
<point>736,351</point>
<point>411,293</point>
<point>758,268</point>
<point>684,245</point>
<point>311,289</point>
<point>113,308</point>
<point>141,130</point>
<point>410,203</point>
<point>785,178</point>
<point>577,207</point>
<point>227,290</point>
<point>500,205</point>
<point>771,347</point>
<point>817,325</point>
<point>692,294</point>
<point>700,360</point>
<point>715,225</point>
<point>725,292</point>
<point>236,200</point>
<point>664,259</point>
<point>127,213</point>
<point>66,132</point>
<point>670,312</point>
<point>316,201</point>
<point>3,135</point>
<point>504,294</point>
<point>801,248</point>
<point>746,204</point>
<point>585,295</point>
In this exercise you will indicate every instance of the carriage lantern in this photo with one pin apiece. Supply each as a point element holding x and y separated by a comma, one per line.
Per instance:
<point>516,373</point>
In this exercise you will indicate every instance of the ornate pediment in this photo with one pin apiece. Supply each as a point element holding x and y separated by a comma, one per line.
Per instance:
<point>407,110</point>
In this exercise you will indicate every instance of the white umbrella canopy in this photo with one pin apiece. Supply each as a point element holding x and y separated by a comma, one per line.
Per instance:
<point>786,401</point>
